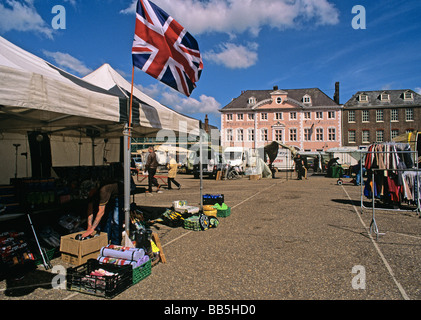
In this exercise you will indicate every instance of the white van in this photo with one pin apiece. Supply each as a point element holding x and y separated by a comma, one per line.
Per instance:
<point>236,156</point>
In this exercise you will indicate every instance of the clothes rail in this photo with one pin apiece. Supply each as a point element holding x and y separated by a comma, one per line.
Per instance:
<point>373,225</point>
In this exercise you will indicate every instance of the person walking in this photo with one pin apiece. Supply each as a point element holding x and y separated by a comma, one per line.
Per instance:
<point>172,173</point>
<point>151,166</point>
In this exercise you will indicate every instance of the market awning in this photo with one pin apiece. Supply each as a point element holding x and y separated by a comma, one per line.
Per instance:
<point>147,112</point>
<point>35,95</point>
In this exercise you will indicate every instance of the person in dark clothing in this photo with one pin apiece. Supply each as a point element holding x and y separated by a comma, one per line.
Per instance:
<point>108,198</point>
<point>151,166</point>
<point>316,164</point>
<point>299,166</point>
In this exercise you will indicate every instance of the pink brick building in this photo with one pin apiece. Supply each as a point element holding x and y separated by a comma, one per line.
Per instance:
<point>304,118</point>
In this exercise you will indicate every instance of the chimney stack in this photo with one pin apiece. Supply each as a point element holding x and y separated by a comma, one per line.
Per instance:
<point>336,95</point>
<point>206,124</point>
<point>275,88</point>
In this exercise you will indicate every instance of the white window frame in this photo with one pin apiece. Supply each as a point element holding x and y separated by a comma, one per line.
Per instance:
<point>331,134</point>
<point>351,116</point>
<point>409,114</point>
<point>352,136</point>
<point>394,115</point>
<point>293,134</point>
<point>279,134</point>
<point>240,135</point>
<point>408,98</point>
<point>264,134</point>
<point>379,115</point>
<point>365,136</point>
<point>379,136</point>
<point>307,134</point>
<point>230,135</point>
<point>319,134</point>
<point>250,134</point>
<point>365,116</point>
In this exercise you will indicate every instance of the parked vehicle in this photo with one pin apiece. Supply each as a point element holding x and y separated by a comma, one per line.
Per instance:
<point>138,163</point>
<point>212,162</point>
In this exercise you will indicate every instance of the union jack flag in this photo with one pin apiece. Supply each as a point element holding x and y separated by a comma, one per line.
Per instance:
<point>164,49</point>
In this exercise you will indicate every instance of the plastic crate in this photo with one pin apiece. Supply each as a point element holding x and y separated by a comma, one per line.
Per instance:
<point>142,272</point>
<point>79,279</point>
<point>192,223</point>
<point>50,255</point>
<point>224,213</point>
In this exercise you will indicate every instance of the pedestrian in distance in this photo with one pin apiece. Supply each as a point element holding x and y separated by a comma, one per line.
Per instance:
<point>151,166</point>
<point>299,166</point>
<point>172,173</point>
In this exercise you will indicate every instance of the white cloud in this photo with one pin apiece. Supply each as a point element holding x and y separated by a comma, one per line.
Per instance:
<point>234,56</point>
<point>22,16</point>
<point>234,17</point>
<point>237,16</point>
<point>418,90</point>
<point>131,9</point>
<point>178,102</point>
<point>66,61</point>
<point>205,104</point>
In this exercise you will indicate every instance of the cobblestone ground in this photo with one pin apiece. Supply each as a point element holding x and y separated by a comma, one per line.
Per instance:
<point>285,239</point>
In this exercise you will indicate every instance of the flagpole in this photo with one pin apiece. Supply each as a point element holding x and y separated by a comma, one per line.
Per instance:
<point>127,156</point>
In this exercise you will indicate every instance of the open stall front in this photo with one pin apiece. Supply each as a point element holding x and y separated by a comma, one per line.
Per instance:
<point>44,103</point>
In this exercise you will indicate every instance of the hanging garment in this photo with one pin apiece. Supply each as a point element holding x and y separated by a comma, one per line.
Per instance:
<point>394,189</point>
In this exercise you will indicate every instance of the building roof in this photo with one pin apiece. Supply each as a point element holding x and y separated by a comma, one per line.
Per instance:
<point>318,98</point>
<point>396,99</point>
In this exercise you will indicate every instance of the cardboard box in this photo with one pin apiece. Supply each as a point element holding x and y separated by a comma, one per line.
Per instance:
<point>254,177</point>
<point>78,252</point>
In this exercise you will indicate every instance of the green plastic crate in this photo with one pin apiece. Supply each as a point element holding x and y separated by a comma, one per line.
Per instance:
<point>142,272</point>
<point>50,256</point>
<point>224,213</point>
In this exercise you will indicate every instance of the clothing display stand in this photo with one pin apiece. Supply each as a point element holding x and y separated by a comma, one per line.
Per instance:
<point>373,225</point>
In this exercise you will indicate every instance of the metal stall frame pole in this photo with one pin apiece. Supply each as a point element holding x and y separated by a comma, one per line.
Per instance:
<point>373,224</point>
<point>46,262</point>
<point>201,166</point>
<point>127,137</point>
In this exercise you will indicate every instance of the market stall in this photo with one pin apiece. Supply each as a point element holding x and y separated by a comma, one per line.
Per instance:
<point>46,111</point>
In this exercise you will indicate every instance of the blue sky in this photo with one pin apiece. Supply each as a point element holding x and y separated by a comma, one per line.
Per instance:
<point>246,44</point>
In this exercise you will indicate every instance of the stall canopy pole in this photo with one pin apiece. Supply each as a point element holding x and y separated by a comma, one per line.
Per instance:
<point>201,164</point>
<point>127,155</point>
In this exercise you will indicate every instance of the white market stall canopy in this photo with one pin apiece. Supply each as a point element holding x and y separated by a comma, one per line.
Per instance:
<point>36,95</point>
<point>146,111</point>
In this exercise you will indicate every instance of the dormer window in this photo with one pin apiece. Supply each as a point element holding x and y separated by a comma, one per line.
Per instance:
<point>307,99</point>
<point>408,96</point>
<point>363,97</point>
<point>252,100</point>
<point>385,97</point>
